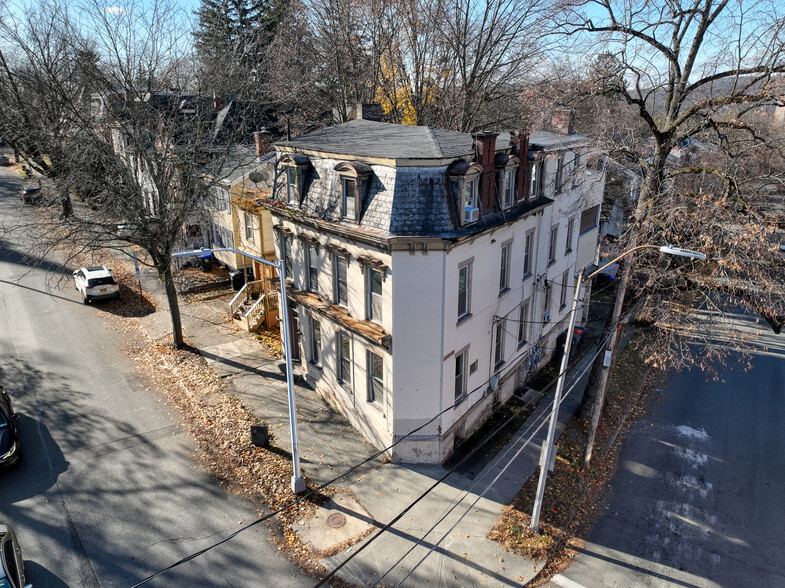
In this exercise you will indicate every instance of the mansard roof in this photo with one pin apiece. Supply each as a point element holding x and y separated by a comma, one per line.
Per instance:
<point>364,138</point>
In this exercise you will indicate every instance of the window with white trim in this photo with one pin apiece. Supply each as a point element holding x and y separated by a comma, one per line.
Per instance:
<point>345,359</point>
<point>552,244</point>
<point>292,185</point>
<point>460,373</point>
<point>316,341</point>
<point>559,176</point>
<point>546,306</point>
<point>465,185</point>
<point>375,378</point>
<point>535,175</point>
<point>464,290</point>
<point>349,198</point>
<point>576,169</point>
<point>498,344</point>
<point>570,227</point>
<point>528,257</point>
<point>313,268</point>
<point>249,227</point>
<point>523,323</point>
<point>504,269</point>
<point>286,246</point>
<point>374,289</point>
<point>563,293</point>
<point>340,293</point>
<point>508,192</point>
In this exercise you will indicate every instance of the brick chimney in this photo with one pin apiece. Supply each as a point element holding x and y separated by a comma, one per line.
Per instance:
<point>562,121</point>
<point>486,143</point>
<point>262,139</point>
<point>522,140</point>
<point>370,111</point>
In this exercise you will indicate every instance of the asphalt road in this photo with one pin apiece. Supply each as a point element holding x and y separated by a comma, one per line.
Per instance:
<point>698,498</point>
<point>107,492</point>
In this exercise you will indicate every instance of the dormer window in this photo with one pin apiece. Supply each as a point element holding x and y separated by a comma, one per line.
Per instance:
<point>353,176</point>
<point>506,174</point>
<point>294,167</point>
<point>349,198</point>
<point>292,186</point>
<point>535,178</point>
<point>465,181</point>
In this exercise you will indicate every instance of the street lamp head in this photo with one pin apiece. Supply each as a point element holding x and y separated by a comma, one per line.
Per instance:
<point>671,250</point>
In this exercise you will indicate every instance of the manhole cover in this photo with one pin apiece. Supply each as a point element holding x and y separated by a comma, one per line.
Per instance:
<point>336,520</point>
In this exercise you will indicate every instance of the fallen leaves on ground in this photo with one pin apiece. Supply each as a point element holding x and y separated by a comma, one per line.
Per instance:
<point>573,494</point>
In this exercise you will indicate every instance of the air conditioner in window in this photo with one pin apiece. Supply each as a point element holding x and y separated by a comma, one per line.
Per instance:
<point>546,317</point>
<point>471,214</point>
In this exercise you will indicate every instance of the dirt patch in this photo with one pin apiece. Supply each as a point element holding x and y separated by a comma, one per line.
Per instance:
<point>573,493</point>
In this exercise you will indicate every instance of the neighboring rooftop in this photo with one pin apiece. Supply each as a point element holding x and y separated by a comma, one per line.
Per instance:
<point>551,140</point>
<point>364,138</point>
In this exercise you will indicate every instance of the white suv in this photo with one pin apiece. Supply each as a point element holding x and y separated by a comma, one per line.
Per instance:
<point>95,283</point>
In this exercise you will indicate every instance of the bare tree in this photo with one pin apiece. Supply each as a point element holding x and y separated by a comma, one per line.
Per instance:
<point>696,75</point>
<point>130,142</point>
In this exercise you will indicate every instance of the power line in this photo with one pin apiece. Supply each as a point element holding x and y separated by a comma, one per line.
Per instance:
<point>344,474</point>
<point>434,485</point>
<point>320,487</point>
<point>496,479</point>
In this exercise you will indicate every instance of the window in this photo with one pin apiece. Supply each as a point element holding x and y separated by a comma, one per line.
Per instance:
<point>221,198</point>
<point>460,374</point>
<point>558,179</point>
<point>464,290</point>
<point>349,198</point>
<point>313,268</point>
<point>570,226</point>
<point>576,164</point>
<point>341,293</point>
<point>345,359</point>
<point>353,176</point>
<point>375,378</point>
<point>523,323</point>
<point>249,227</point>
<point>464,181</point>
<point>534,180</point>
<point>552,244</point>
<point>547,302</point>
<point>504,270</point>
<point>527,254</point>
<point>287,256</point>
<point>509,188</point>
<point>316,341</point>
<point>498,344</point>
<point>374,295</point>
<point>563,293</point>
<point>292,189</point>
<point>470,193</point>
<point>589,219</point>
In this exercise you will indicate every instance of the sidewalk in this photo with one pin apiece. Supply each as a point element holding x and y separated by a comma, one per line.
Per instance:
<point>377,492</point>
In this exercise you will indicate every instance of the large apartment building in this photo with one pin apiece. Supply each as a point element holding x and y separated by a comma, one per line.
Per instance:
<point>429,271</point>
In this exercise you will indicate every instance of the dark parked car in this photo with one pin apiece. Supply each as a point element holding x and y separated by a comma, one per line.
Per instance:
<point>31,194</point>
<point>4,160</point>
<point>12,566</point>
<point>10,453</point>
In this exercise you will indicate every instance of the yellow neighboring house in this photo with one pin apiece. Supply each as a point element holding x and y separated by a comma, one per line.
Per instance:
<point>249,175</point>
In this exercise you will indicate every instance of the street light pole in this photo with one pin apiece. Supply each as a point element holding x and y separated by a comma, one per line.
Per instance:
<point>297,482</point>
<point>548,450</point>
<point>547,454</point>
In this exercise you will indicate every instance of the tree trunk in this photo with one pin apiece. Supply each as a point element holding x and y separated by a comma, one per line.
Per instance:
<point>174,305</point>
<point>651,187</point>
<point>600,386</point>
